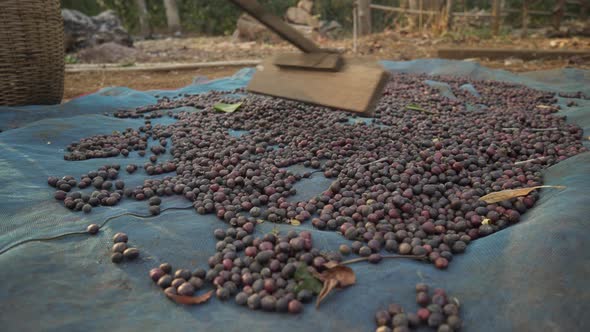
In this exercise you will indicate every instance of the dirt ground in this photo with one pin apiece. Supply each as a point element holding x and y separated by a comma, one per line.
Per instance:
<point>387,46</point>
<point>78,84</point>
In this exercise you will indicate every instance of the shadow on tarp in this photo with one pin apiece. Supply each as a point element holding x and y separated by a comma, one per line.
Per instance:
<point>529,277</point>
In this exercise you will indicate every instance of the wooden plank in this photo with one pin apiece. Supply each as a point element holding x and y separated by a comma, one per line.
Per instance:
<point>524,54</point>
<point>79,68</point>
<point>356,87</point>
<point>316,61</point>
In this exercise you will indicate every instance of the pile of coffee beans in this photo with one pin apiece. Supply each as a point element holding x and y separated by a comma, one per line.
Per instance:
<point>109,190</point>
<point>408,180</point>
<point>265,276</point>
<point>121,250</point>
<point>181,282</point>
<point>438,311</point>
<point>106,146</point>
<point>257,272</point>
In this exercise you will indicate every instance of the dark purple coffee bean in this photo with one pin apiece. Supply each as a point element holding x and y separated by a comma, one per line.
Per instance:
<point>131,253</point>
<point>183,274</point>
<point>399,320</point>
<point>394,309</point>
<point>295,307</point>
<point>154,210</point>
<point>119,247</point>
<point>156,274</point>
<point>92,229</point>
<point>120,237</point>
<point>117,257</point>
<point>382,318</point>
<point>253,301</point>
<point>435,319</point>
<point>186,289</point>
<point>241,298</point>
<point>222,293</point>
<point>165,281</point>
<point>375,258</point>
<point>268,303</point>
<point>166,267</point>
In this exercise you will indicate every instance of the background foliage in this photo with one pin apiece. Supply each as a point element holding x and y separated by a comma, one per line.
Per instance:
<point>218,17</point>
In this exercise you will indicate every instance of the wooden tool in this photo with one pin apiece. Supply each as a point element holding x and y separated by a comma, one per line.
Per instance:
<point>315,76</point>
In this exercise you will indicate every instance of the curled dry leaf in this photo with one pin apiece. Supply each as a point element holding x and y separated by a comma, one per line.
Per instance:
<point>336,276</point>
<point>511,193</point>
<point>190,299</point>
<point>329,284</point>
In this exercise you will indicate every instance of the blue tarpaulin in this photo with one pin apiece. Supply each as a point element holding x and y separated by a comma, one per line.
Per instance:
<point>528,277</point>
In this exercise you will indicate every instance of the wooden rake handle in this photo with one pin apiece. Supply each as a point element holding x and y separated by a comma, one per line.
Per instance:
<point>275,24</point>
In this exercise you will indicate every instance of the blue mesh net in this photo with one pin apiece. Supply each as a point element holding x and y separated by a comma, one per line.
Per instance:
<point>528,277</point>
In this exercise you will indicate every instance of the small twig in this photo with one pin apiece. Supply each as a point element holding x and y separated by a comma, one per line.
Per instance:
<point>530,160</point>
<point>545,106</point>
<point>543,129</point>
<point>532,129</point>
<point>418,108</point>
<point>362,259</point>
<point>376,161</point>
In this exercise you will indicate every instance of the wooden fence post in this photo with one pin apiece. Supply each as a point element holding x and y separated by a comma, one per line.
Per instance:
<point>558,12</point>
<point>364,16</point>
<point>420,17</point>
<point>172,15</point>
<point>449,23</point>
<point>144,24</point>
<point>525,18</point>
<point>496,15</point>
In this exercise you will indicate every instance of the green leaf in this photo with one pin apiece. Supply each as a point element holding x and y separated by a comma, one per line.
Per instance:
<point>307,280</point>
<point>227,108</point>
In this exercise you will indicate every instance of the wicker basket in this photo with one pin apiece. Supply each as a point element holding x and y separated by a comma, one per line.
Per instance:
<point>31,52</point>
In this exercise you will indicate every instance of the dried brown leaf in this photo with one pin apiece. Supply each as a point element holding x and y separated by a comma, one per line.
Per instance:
<point>511,193</point>
<point>336,276</point>
<point>190,299</point>
<point>329,284</point>
<point>343,274</point>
